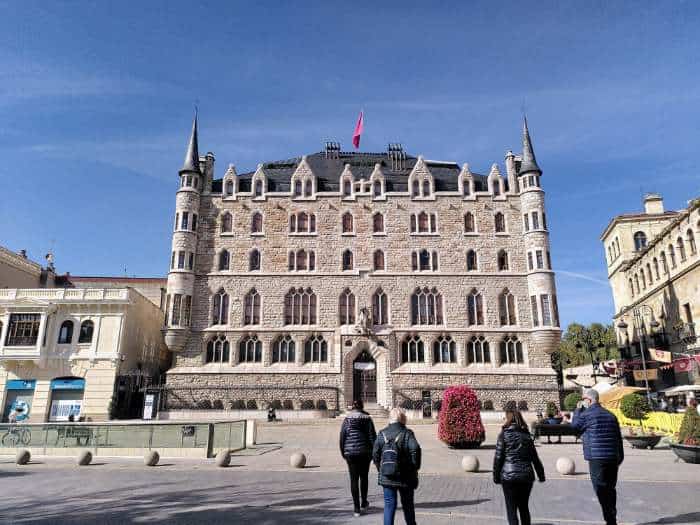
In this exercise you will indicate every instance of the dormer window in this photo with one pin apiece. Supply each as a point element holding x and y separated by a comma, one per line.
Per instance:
<point>258,188</point>
<point>347,188</point>
<point>297,188</point>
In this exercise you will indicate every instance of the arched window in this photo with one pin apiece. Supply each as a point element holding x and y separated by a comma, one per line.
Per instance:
<point>478,350</point>
<point>250,350</point>
<point>229,188</point>
<point>220,308</point>
<point>690,237</point>
<point>672,255</point>
<point>412,350</point>
<point>258,188</point>
<point>511,351</point>
<point>656,269</point>
<point>681,248</point>
<point>424,260</point>
<point>217,350</point>
<point>302,260</point>
<point>471,261</point>
<point>308,188</point>
<point>640,241</point>
<point>379,260</point>
<point>499,222</point>
<point>466,190</point>
<point>415,189</point>
<point>649,278</point>
<point>469,222</point>
<point>664,264</point>
<point>426,306</point>
<point>300,307</point>
<point>346,308</point>
<point>380,308</point>
<point>226,223</point>
<point>644,279</point>
<point>347,188</point>
<point>496,188</point>
<point>283,350</point>
<point>444,350</point>
<point>636,283</point>
<point>86,330</point>
<point>303,222</point>
<point>65,333</point>
<point>251,310</point>
<point>631,284</point>
<point>315,350</point>
<point>502,261</point>
<point>378,223</point>
<point>506,308</point>
<point>348,223</point>
<point>426,188</point>
<point>475,308</point>
<point>254,260</point>
<point>347,260</point>
<point>224,260</point>
<point>423,223</point>
<point>256,223</point>
<point>377,188</point>
<point>297,188</point>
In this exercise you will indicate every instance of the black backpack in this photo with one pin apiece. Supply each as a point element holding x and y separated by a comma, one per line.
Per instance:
<point>390,463</point>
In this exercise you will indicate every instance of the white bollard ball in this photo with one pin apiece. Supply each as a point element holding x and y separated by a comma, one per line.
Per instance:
<point>297,460</point>
<point>223,458</point>
<point>84,458</point>
<point>23,457</point>
<point>470,463</point>
<point>151,458</point>
<point>566,466</point>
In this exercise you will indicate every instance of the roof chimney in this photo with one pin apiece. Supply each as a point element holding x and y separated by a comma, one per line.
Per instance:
<point>332,150</point>
<point>653,204</point>
<point>397,156</point>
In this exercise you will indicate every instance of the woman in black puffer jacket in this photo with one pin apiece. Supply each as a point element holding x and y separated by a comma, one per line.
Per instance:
<point>357,437</point>
<point>512,466</point>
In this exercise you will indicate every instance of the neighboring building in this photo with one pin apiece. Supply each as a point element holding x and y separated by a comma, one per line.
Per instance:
<point>653,260</point>
<point>81,351</point>
<point>18,271</point>
<point>152,288</point>
<point>340,275</point>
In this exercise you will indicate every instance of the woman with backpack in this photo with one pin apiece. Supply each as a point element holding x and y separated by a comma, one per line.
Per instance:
<point>397,456</point>
<point>512,466</point>
<point>357,437</point>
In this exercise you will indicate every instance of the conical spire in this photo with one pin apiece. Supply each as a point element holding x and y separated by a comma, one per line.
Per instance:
<point>529,163</point>
<point>192,156</point>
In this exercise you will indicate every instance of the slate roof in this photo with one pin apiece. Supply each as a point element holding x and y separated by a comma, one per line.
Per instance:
<point>328,171</point>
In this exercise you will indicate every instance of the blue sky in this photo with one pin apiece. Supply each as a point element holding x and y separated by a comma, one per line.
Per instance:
<point>96,102</point>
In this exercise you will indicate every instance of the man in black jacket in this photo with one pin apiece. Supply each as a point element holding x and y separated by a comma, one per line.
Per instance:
<point>357,436</point>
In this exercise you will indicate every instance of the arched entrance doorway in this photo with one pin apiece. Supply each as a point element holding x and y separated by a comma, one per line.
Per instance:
<point>364,378</point>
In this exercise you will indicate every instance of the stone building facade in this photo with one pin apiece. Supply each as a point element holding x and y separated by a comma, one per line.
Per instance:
<point>381,276</point>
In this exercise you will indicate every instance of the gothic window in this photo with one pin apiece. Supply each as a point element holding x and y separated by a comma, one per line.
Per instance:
<point>546,311</point>
<point>347,188</point>
<point>302,260</point>
<point>529,261</point>
<point>348,223</point>
<point>346,308</point>
<point>229,188</point>
<point>423,260</point>
<point>312,223</point>
<point>283,350</point>
<point>65,333</point>
<point>303,222</point>
<point>297,188</point>
<point>254,260</point>
<point>506,308</point>
<point>251,308</point>
<point>217,350</point>
<point>300,307</point>
<point>308,188</point>
<point>377,188</point>
<point>378,223</point>
<point>478,351</point>
<point>681,248</point>
<point>86,330</point>
<point>549,260</point>
<point>379,260</point>
<point>471,261</point>
<point>500,222</point>
<point>656,269</point>
<point>644,280</point>
<point>469,222</point>
<point>535,221</point>
<point>224,260</point>
<point>496,188</point>
<point>664,265</point>
<point>380,308</point>
<point>250,350</point>
<point>184,223</point>
<point>181,260</point>
<point>414,227</point>
<point>672,255</point>
<point>347,260</point>
<point>526,222</point>
<point>412,350</point>
<point>426,188</point>
<point>533,307</point>
<point>194,222</point>
<point>444,350</point>
<point>177,305</point>
<point>415,189</point>
<point>640,241</point>
<point>315,350</point>
<point>426,306</point>
<point>539,259</point>
<point>423,223</point>
<point>475,308</point>
<point>636,283</point>
<point>511,351</point>
<point>186,309</point>
<point>220,308</point>
<point>258,188</point>
<point>649,274</point>
<point>190,262</point>
<point>502,261</point>
<point>256,223</point>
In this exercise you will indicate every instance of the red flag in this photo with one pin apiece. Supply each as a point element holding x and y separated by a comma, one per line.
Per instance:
<point>358,130</point>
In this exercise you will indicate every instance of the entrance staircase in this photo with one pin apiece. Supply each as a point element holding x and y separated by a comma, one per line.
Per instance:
<point>376,411</point>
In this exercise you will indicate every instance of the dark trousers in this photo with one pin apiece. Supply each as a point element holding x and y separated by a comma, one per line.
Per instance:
<point>358,468</point>
<point>517,495</point>
<point>409,510</point>
<point>604,479</point>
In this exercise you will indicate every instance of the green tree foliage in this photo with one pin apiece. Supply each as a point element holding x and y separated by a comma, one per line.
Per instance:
<point>598,337</point>
<point>571,400</point>
<point>690,427</point>
<point>635,406</point>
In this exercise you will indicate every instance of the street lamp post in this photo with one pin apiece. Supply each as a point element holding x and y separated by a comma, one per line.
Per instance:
<point>638,322</point>
<point>589,348</point>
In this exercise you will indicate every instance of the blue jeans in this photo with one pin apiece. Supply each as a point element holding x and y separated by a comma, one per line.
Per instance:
<point>409,511</point>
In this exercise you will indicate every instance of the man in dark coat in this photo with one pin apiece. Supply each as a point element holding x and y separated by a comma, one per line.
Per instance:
<point>602,448</point>
<point>357,437</point>
<point>397,436</point>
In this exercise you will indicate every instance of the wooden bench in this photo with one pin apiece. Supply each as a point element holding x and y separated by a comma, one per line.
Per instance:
<point>563,429</point>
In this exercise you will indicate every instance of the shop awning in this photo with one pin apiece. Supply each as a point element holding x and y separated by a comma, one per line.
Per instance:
<point>681,389</point>
<point>613,397</point>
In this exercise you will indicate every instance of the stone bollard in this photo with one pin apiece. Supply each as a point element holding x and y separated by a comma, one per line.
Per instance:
<point>223,458</point>
<point>297,460</point>
<point>470,464</point>
<point>151,458</point>
<point>84,458</point>
<point>566,466</point>
<point>23,456</point>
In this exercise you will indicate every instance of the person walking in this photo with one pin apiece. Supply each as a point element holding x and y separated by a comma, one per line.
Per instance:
<point>397,456</point>
<point>602,448</point>
<point>357,436</point>
<point>513,466</point>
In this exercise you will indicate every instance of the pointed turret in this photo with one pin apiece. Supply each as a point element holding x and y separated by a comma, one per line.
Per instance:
<point>529,163</point>
<point>192,157</point>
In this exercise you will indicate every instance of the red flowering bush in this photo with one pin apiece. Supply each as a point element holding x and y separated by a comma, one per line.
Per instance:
<point>460,423</point>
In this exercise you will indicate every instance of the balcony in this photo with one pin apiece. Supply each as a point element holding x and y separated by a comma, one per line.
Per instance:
<point>686,333</point>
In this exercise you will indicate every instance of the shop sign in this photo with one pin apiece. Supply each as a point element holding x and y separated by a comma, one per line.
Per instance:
<point>68,384</point>
<point>651,375</point>
<point>660,355</point>
<point>148,403</point>
<point>62,409</point>
<point>21,384</point>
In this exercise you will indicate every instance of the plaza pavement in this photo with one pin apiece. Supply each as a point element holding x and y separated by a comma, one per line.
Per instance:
<point>261,488</point>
